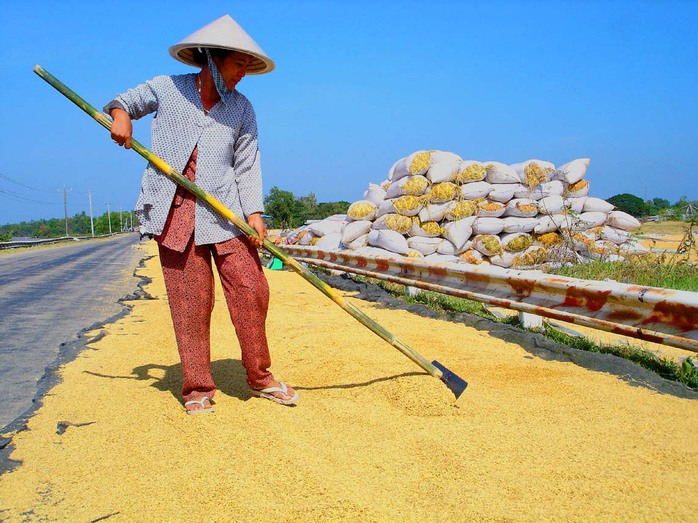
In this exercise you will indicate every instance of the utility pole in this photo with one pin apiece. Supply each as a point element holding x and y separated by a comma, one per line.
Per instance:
<point>121,224</point>
<point>65,209</point>
<point>109,217</point>
<point>92,222</point>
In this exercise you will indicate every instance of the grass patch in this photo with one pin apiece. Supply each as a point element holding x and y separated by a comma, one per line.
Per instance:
<point>649,271</point>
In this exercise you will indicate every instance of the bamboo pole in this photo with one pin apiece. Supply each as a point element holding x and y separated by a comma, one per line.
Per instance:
<point>456,384</point>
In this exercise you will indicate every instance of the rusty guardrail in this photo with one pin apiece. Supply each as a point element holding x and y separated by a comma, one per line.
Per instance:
<point>652,314</point>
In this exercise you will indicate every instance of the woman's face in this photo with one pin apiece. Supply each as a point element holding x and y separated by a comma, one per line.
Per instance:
<point>233,67</point>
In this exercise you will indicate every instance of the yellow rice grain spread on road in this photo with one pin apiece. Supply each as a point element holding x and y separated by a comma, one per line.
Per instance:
<point>373,438</point>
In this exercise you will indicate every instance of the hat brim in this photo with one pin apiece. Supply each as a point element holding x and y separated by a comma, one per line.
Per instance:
<point>185,53</point>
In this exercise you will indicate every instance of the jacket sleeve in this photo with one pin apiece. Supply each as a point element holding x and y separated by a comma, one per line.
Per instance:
<point>138,102</point>
<point>247,164</point>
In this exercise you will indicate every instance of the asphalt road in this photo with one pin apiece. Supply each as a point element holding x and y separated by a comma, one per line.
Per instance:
<point>47,296</point>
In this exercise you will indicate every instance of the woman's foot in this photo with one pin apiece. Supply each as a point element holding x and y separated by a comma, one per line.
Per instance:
<point>198,406</point>
<point>278,392</point>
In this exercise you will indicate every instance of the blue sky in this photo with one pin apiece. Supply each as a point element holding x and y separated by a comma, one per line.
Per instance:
<point>359,85</point>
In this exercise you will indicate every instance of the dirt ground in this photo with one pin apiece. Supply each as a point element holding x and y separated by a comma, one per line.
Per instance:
<point>373,438</point>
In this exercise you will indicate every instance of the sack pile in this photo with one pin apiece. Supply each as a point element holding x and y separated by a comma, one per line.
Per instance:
<point>437,206</point>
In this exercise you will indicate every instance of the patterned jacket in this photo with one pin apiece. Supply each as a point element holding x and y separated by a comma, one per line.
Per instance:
<point>228,164</point>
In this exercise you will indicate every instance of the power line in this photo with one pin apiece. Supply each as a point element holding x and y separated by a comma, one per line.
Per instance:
<point>24,185</point>
<point>20,197</point>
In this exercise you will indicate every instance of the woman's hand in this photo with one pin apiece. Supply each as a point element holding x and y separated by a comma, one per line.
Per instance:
<point>121,128</point>
<point>256,222</point>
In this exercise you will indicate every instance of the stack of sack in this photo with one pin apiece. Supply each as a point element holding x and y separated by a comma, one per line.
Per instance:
<point>437,206</point>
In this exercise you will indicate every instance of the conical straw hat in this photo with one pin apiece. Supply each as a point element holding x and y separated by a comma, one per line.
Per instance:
<point>224,33</point>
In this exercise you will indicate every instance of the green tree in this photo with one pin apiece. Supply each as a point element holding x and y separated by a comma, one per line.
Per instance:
<point>629,203</point>
<point>308,207</point>
<point>661,203</point>
<point>283,208</point>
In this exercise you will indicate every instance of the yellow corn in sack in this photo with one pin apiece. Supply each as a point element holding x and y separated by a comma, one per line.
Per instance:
<point>469,171</point>
<point>549,239</point>
<point>534,175</point>
<point>578,189</point>
<point>361,210</point>
<point>517,241</point>
<point>442,192</point>
<point>407,205</point>
<point>460,210</point>
<point>531,257</point>
<point>394,222</point>
<point>472,256</point>
<point>428,229</point>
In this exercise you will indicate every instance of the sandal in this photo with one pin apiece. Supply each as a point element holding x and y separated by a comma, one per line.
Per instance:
<point>199,402</point>
<point>268,394</point>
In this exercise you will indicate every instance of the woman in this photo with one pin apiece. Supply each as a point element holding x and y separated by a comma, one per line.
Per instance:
<point>207,130</point>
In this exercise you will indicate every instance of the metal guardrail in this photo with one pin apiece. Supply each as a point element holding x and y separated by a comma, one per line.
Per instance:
<point>653,314</point>
<point>48,241</point>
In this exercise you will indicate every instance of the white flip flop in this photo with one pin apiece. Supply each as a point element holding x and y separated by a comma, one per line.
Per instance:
<point>199,402</point>
<point>267,394</point>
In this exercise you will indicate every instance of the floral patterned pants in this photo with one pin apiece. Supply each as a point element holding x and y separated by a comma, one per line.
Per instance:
<point>190,289</point>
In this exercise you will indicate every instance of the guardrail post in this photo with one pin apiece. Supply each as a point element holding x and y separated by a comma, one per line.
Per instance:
<point>530,321</point>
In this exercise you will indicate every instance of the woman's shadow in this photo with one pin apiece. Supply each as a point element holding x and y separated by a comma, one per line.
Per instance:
<point>228,375</point>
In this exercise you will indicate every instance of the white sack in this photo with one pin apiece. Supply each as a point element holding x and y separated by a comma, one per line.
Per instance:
<point>506,259</point>
<point>446,247</point>
<point>587,220</point>
<point>416,163</point>
<point>550,223</point>
<point>352,230</point>
<point>374,194</point>
<point>488,225</point>
<point>623,220</point>
<point>514,224</point>
<point>503,192</point>
<point>444,166</point>
<point>434,212</point>
<point>357,243</point>
<point>551,205</point>
<point>424,245</point>
<point>325,227</point>
<point>617,236</point>
<point>575,204</point>
<point>573,171</point>
<point>389,240</point>
<point>521,208</point>
<point>472,191</point>
<point>498,172</point>
<point>459,231</point>
<point>329,242</point>
<point>632,247</point>
<point>597,205</point>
